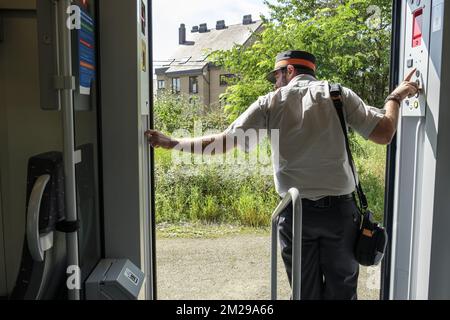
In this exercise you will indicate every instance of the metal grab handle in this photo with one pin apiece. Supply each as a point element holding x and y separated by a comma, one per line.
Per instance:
<point>293,196</point>
<point>37,244</point>
<point>414,204</point>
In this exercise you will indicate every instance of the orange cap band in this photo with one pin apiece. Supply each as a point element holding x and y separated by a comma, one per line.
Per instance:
<point>303,62</point>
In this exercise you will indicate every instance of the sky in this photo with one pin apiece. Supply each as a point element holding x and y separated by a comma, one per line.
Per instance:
<point>169,14</point>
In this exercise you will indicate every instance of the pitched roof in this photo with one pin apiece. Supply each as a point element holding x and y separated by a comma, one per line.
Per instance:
<point>192,57</point>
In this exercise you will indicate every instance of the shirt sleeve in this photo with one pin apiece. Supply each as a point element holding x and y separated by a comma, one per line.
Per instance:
<point>361,117</point>
<point>250,127</point>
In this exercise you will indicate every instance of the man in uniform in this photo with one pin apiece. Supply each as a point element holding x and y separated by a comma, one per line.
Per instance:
<point>313,158</point>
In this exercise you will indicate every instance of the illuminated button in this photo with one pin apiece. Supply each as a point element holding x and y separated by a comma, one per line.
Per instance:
<point>416,104</point>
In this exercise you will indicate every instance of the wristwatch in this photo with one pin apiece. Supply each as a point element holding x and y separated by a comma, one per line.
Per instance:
<point>394,97</point>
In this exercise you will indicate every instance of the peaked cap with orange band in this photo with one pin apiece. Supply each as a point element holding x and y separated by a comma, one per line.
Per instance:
<point>298,59</point>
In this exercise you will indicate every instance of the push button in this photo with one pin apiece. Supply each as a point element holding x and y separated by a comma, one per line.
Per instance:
<point>410,63</point>
<point>420,85</point>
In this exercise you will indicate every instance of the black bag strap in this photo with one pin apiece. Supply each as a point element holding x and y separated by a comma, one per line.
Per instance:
<point>336,96</point>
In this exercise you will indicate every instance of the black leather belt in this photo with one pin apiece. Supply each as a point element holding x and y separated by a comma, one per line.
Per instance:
<point>327,202</point>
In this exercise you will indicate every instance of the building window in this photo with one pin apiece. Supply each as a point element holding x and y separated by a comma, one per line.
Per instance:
<point>161,84</point>
<point>176,85</point>
<point>225,79</point>
<point>193,85</point>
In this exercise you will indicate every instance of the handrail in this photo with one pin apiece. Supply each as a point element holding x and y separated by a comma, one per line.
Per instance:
<point>293,196</point>
<point>67,108</point>
<point>414,210</point>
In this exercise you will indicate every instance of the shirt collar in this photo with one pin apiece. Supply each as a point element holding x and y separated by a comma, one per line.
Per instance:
<point>304,77</point>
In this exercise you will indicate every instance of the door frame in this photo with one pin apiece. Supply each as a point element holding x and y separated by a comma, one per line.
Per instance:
<point>126,163</point>
<point>3,284</point>
<point>151,167</point>
<point>391,153</point>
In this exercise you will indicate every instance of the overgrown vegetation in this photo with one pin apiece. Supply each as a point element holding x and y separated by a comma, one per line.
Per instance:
<point>205,190</point>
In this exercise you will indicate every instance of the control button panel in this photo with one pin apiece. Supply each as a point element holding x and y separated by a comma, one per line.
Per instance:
<point>416,42</point>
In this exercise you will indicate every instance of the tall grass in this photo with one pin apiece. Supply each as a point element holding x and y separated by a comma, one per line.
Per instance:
<point>371,163</point>
<point>210,195</point>
<point>213,193</point>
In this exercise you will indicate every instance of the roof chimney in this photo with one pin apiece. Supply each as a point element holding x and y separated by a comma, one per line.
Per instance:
<point>247,19</point>
<point>194,29</point>
<point>182,33</point>
<point>220,25</point>
<point>203,28</point>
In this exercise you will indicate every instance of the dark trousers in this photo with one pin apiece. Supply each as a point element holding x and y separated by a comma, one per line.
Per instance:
<point>329,268</point>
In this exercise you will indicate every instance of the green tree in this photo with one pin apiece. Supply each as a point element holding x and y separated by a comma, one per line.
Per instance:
<point>351,39</point>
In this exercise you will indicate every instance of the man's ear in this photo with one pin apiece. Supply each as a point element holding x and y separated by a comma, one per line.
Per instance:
<point>290,70</point>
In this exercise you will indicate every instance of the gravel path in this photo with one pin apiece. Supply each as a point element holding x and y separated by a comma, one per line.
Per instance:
<point>233,267</point>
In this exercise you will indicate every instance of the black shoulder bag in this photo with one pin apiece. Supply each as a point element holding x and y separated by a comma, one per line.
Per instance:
<point>372,239</point>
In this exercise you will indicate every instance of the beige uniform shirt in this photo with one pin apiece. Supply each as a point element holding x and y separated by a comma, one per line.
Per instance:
<point>311,148</point>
